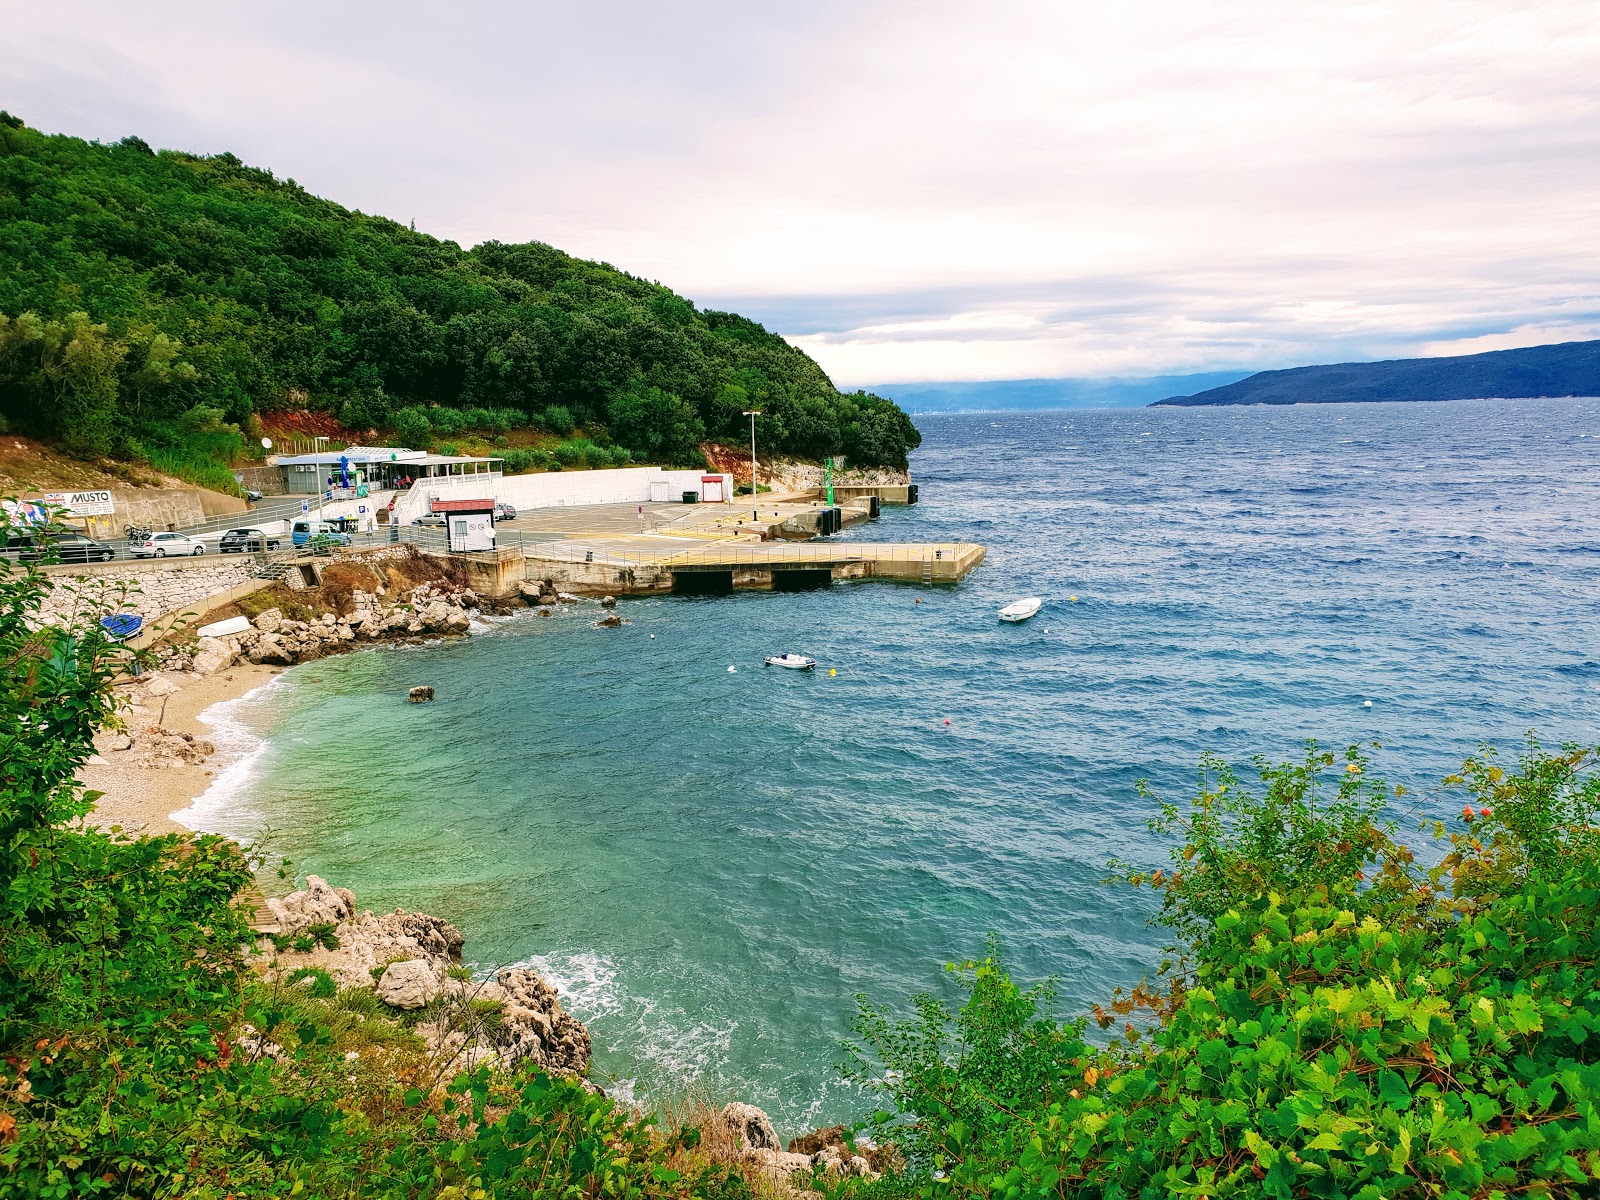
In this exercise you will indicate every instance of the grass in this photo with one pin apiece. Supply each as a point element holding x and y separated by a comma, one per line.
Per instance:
<point>193,466</point>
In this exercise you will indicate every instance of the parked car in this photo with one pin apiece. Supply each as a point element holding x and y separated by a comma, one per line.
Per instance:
<point>308,530</point>
<point>504,511</point>
<point>252,495</point>
<point>430,519</point>
<point>236,540</point>
<point>166,545</point>
<point>70,546</point>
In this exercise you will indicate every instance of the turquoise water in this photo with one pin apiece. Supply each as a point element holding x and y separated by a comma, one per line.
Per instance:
<point>712,865</point>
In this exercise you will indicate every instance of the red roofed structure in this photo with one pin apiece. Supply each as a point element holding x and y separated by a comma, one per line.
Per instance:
<point>463,506</point>
<point>469,524</point>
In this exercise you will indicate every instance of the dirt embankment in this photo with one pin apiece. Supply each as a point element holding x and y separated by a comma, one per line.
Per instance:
<point>29,465</point>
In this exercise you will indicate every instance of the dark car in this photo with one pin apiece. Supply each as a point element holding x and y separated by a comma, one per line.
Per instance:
<point>69,546</point>
<point>504,511</point>
<point>236,540</point>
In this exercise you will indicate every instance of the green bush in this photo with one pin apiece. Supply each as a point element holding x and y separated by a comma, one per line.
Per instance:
<point>558,419</point>
<point>1336,1022</point>
<point>412,428</point>
<point>317,982</point>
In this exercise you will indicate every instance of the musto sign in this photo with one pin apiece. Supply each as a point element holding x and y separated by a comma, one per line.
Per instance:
<point>81,504</point>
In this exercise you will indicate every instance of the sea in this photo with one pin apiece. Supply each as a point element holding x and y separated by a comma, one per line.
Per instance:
<point>717,862</point>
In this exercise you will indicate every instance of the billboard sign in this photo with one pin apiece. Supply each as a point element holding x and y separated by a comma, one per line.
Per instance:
<point>82,504</point>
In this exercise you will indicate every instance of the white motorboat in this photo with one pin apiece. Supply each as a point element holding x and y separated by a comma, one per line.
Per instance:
<point>1020,610</point>
<point>795,662</point>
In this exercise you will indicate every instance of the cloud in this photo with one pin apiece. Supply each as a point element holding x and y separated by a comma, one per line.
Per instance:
<point>928,190</point>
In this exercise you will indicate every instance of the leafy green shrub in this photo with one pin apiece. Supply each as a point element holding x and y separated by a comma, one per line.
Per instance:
<point>412,427</point>
<point>1337,1021</point>
<point>558,419</point>
<point>581,452</point>
<point>321,984</point>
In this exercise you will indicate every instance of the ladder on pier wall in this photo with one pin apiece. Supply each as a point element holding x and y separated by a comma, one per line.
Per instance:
<point>927,570</point>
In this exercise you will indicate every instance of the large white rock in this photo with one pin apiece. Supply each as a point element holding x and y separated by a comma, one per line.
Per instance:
<point>409,984</point>
<point>214,654</point>
<point>160,685</point>
<point>269,621</point>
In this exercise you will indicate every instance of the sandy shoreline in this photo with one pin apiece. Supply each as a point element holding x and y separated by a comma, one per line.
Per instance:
<point>143,799</point>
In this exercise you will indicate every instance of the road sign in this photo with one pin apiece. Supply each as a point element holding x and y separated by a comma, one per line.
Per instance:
<point>305,506</point>
<point>361,508</point>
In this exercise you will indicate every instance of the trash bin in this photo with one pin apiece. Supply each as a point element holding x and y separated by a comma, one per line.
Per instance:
<point>691,497</point>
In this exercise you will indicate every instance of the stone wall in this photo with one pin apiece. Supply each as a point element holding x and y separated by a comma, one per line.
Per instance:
<point>155,589</point>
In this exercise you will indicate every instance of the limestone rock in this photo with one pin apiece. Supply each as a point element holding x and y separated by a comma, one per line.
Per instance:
<point>752,1126</point>
<point>318,904</point>
<point>111,742</point>
<point>608,601</point>
<point>409,985</point>
<point>420,695</point>
<point>530,592</point>
<point>270,648</point>
<point>269,621</point>
<point>837,1160</point>
<point>214,655</point>
<point>156,747</point>
<point>611,622</point>
<point>780,1162</point>
<point>534,1026</point>
<point>159,685</point>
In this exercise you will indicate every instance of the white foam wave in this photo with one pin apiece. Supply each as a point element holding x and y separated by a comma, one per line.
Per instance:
<point>223,807</point>
<point>667,1049</point>
<point>587,982</point>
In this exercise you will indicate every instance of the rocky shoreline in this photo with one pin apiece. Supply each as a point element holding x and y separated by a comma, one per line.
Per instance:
<point>512,1020</point>
<point>411,961</point>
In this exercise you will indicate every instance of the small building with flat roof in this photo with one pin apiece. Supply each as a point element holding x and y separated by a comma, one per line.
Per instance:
<point>469,524</point>
<point>379,468</point>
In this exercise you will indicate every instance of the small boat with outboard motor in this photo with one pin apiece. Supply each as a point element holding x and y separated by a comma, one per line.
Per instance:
<point>1020,610</point>
<point>795,662</point>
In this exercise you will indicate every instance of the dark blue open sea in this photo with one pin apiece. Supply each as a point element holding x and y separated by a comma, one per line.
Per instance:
<point>713,865</point>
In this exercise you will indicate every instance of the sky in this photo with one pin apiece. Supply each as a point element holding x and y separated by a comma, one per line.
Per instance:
<point>928,190</point>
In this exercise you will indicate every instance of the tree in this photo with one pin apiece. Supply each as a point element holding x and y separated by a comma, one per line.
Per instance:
<point>657,426</point>
<point>412,428</point>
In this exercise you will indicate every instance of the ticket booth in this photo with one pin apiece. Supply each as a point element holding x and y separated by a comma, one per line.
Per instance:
<point>469,524</point>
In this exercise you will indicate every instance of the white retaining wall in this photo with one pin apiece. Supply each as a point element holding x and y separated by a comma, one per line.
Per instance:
<point>623,485</point>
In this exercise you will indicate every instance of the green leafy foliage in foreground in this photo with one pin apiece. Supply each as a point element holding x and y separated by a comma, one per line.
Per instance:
<point>141,284</point>
<point>141,1056</point>
<point>1335,1021</point>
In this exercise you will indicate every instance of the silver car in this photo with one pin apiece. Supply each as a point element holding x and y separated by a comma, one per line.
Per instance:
<point>166,545</point>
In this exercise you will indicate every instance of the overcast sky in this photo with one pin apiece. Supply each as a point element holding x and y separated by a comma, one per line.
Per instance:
<point>921,191</point>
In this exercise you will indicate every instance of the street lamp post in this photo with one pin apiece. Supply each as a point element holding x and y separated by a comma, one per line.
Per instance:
<point>752,413</point>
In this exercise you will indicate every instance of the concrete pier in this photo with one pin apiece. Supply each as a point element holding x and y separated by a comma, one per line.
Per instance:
<point>730,566</point>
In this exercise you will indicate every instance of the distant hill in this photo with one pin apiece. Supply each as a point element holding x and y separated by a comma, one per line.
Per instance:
<point>149,297</point>
<point>1568,369</point>
<point>1039,394</point>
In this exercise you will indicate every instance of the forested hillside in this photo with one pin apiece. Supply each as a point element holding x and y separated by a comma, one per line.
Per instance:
<point>161,299</point>
<point>1568,369</point>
